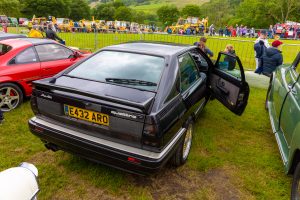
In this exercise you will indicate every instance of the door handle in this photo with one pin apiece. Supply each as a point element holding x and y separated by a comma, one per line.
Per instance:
<point>46,69</point>
<point>292,89</point>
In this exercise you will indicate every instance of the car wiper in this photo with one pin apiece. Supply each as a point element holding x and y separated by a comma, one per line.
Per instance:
<point>130,81</point>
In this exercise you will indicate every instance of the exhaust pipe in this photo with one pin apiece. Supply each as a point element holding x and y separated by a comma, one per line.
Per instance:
<point>52,147</point>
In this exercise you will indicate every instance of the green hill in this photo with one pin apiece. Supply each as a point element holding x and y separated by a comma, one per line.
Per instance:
<point>155,5</point>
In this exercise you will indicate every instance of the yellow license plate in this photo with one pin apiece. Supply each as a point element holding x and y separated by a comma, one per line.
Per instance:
<point>87,115</point>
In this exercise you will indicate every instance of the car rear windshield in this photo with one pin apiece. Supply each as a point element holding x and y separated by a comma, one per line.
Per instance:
<point>122,68</point>
<point>4,49</point>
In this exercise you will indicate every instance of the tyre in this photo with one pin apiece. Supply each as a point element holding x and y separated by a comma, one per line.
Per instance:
<point>183,150</point>
<point>295,192</point>
<point>11,96</point>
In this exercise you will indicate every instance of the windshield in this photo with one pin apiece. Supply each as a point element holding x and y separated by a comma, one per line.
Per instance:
<point>122,68</point>
<point>4,49</point>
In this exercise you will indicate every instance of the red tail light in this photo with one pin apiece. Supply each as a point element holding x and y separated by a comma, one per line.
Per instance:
<point>133,160</point>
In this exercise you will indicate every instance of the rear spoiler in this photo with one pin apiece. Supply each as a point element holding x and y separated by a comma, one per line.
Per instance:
<point>49,87</point>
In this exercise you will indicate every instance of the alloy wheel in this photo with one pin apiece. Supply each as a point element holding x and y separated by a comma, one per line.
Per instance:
<point>9,98</point>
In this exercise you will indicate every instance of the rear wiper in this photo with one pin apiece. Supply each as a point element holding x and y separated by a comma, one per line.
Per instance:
<point>130,81</point>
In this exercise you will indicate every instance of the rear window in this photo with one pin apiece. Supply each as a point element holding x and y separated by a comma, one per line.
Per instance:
<point>122,68</point>
<point>4,49</point>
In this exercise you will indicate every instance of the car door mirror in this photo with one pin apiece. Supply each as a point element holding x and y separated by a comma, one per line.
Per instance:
<point>76,54</point>
<point>230,64</point>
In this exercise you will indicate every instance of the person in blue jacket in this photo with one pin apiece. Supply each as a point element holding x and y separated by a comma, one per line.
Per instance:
<point>272,58</point>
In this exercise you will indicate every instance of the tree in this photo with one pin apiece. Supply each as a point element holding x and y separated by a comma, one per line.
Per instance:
<point>10,7</point>
<point>39,8</point>
<point>139,17</point>
<point>118,3</point>
<point>80,10</point>
<point>105,12</point>
<point>168,14</point>
<point>283,10</point>
<point>191,10</point>
<point>123,13</point>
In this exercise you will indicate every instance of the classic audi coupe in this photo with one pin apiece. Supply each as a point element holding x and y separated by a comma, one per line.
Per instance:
<point>133,106</point>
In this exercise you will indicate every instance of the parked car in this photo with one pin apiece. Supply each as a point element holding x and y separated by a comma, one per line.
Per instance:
<point>13,21</point>
<point>23,21</point>
<point>24,60</point>
<point>5,36</point>
<point>133,106</point>
<point>284,110</point>
<point>3,19</point>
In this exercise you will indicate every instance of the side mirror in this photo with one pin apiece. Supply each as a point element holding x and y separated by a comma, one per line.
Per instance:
<point>76,54</point>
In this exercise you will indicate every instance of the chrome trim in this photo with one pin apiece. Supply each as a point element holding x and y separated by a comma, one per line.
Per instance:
<point>201,106</point>
<point>110,144</point>
<point>283,157</point>
<point>34,195</point>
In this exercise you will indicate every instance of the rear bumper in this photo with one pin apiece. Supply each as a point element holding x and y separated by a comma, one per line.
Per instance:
<point>103,151</point>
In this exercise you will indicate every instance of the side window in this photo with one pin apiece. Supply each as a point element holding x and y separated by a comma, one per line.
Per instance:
<point>27,56</point>
<point>188,71</point>
<point>47,52</point>
<point>228,64</point>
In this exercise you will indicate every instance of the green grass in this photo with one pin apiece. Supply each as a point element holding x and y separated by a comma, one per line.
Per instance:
<point>243,46</point>
<point>232,158</point>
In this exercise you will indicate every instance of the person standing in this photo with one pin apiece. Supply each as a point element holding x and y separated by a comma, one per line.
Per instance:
<point>261,44</point>
<point>35,32</point>
<point>50,34</point>
<point>202,45</point>
<point>272,58</point>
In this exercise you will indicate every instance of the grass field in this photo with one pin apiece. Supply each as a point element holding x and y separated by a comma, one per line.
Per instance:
<point>243,46</point>
<point>232,158</point>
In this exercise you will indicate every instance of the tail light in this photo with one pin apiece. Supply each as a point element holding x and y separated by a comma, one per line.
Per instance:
<point>151,133</point>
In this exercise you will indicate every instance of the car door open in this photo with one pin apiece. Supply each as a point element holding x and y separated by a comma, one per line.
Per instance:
<point>227,83</point>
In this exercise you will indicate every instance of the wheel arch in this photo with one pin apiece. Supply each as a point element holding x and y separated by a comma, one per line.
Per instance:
<point>295,160</point>
<point>17,84</point>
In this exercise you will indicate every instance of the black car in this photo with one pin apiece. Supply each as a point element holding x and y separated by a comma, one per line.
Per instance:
<point>132,106</point>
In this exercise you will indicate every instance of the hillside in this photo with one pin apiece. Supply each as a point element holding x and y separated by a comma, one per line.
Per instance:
<point>156,4</point>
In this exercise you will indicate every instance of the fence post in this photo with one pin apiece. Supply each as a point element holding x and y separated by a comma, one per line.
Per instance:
<point>95,39</point>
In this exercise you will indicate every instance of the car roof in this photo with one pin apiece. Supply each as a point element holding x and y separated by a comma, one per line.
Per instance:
<point>19,42</point>
<point>163,49</point>
<point>5,36</point>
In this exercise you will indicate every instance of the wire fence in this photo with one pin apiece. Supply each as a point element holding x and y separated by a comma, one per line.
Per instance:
<point>96,39</point>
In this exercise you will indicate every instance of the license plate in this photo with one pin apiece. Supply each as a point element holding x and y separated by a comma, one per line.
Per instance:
<point>87,115</point>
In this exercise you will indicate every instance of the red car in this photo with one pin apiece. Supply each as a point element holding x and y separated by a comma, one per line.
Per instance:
<point>24,60</point>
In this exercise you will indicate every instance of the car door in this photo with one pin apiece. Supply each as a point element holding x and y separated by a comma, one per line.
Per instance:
<point>227,83</point>
<point>283,81</point>
<point>289,122</point>
<point>24,67</point>
<point>192,82</point>
<point>54,58</point>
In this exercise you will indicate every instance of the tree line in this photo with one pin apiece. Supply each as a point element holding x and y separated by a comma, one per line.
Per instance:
<point>254,13</point>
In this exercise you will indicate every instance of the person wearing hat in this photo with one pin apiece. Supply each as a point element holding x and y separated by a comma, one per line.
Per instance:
<point>260,46</point>
<point>272,58</point>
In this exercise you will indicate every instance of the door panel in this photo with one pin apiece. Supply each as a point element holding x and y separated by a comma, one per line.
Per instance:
<point>54,58</point>
<point>283,81</point>
<point>24,68</point>
<point>290,114</point>
<point>227,83</point>
<point>192,82</point>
